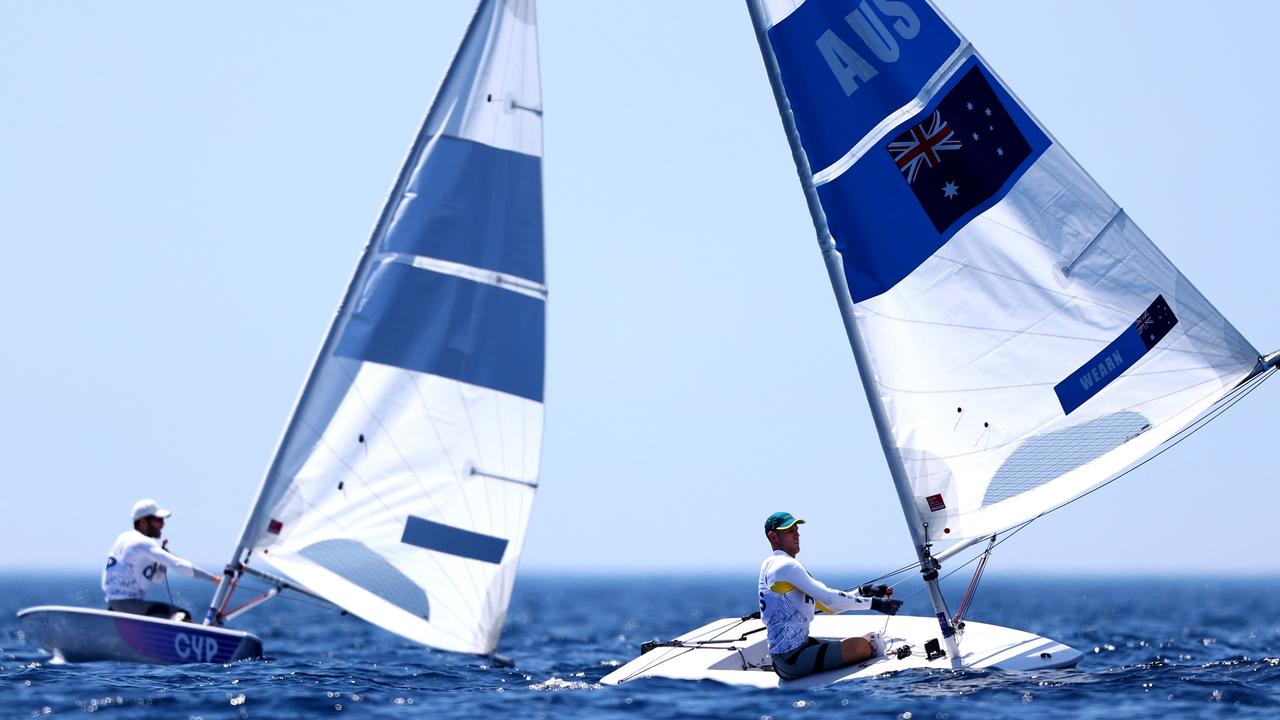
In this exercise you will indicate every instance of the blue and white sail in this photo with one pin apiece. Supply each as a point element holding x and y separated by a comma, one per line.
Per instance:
<point>403,483</point>
<point>1022,341</point>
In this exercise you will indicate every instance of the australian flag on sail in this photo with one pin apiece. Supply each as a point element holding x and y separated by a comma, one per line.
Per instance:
<point>962,154</point>
<point>904,198</point>
<point>1121,354</point>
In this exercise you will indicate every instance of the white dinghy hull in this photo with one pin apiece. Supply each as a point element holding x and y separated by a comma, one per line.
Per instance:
<point>76,634</point>
<point>735,652</point>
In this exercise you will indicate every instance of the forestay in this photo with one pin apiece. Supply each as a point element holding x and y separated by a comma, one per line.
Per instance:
<point>404,481</point>
<point>1025,340</point>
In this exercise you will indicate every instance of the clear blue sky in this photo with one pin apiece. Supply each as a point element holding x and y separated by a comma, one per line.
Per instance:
<point>184,191</point>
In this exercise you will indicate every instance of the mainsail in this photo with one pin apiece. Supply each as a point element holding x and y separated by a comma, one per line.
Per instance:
<point>403,483</point>
<point>1021,340</point>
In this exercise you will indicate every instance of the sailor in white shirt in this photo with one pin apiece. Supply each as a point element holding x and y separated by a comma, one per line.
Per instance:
<point>789,596</point>
<point>138,560</point>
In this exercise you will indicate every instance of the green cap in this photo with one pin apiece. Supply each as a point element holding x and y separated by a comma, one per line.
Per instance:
<point>780,521</point>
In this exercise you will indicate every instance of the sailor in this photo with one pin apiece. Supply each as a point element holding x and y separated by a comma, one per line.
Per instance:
<point>137,561</point>
<point>789,595</point>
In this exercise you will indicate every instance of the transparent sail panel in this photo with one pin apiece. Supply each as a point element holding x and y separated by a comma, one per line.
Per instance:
<point>403,485</point>
<point>1026,340</point>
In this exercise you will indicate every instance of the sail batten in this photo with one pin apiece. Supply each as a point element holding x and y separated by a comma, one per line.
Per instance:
<point>433,366</point>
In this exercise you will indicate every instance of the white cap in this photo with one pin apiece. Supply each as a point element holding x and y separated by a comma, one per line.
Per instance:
<point>148,507</point>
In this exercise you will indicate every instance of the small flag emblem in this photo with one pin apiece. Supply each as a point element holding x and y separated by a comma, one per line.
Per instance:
<point>935,503</point>
<point>275,526</point>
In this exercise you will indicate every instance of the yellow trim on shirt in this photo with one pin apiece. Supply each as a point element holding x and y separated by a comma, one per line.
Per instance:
<point>782,586</point>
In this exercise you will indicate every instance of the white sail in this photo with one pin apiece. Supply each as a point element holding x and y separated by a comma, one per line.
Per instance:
<point>403,484</point>
<point>1024,341</point>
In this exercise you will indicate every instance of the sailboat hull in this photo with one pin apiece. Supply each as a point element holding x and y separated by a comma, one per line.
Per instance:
<point>739,654</point>
<point>76,634</point>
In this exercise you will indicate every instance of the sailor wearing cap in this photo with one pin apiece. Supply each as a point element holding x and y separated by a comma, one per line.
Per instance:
<point>789,596</point>
<point>138,560</point>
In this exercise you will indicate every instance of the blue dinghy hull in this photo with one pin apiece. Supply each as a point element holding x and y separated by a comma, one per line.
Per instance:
<point>77,634</point>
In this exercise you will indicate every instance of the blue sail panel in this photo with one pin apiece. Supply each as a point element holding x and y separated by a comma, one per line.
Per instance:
<point>449,326</point>
<point>447,539</point>
<point>847,64</point>
<point>916,188</point>
<point>474,204</point>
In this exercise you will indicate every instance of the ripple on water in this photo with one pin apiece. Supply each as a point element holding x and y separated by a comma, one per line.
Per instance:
<point>1152,659</point>
<point>556,684</point>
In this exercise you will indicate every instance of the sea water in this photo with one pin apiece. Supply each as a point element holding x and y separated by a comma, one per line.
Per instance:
<point>1159,647</point>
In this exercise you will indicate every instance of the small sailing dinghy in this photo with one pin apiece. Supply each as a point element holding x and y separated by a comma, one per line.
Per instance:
<point>1020,341</point>
<point>402,485</point>
<point>78,634</point>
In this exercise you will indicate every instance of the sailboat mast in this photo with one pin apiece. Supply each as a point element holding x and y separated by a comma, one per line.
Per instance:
<point>835,271</point>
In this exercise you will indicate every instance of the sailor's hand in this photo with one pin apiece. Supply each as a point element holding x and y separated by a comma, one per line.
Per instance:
<point>875,591</point>
<point>888,607</point>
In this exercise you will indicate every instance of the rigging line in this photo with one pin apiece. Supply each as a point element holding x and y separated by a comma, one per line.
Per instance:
<point>973,583</point>
<point>971,560</point>
<point>434,603</point>
<point>435,627</point>
<point>1188,369</point>
<point>659,661</point>
<point>390,438</point>
<point>1008,534</point>
<point>668,658</point>
<point>671,656</point>
<point>1186,388</point>
<point>714,644</point>
<point>1210,414</point>
<point>168,589</point>
<point>291,597</point>
<point>899,571</point>
<point>998,446</point>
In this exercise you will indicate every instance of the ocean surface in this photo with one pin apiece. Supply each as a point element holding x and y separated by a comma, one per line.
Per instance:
<point>1153,648</point>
